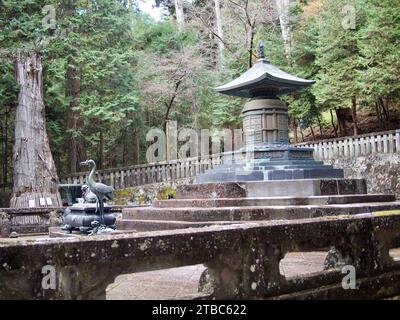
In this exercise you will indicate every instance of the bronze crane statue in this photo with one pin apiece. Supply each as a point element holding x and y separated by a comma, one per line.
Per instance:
<point>101,190</point>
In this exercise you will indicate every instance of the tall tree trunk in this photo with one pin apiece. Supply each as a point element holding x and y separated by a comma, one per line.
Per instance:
<point>302,135</point>
<point>180,18</point>
<point>76,145</point>
<point>220,32</point>
<point>4,133</point>
<point>385,112</point>
<point>125,151</point>
<point>101,151</point>
<point>354,115</point>
<point>35,175</point>
<point>137,149</point>
<point>284,20</point>
<point>379,115</point>
<point>333,124</point>
<point>321,136</point>
<point>251,43</point>
<point>312,132</point>
<point>74,120</point>
<point>341,123</point>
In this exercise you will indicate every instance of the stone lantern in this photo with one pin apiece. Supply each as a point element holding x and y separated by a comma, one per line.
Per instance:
<point>265,130</point>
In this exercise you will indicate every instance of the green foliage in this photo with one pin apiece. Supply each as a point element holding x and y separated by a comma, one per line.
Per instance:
<point>131,68</point>
<point>379,49</point>
<point>361,62</point>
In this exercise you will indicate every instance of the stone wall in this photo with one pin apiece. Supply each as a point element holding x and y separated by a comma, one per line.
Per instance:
<point>382,171</point>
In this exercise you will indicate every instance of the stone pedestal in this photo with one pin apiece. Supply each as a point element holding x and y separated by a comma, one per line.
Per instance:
<point>266,154</point>
<point>265,122</point>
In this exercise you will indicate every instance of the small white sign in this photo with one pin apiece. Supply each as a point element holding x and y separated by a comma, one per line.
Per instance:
<point>31,203</point>
<point>49,202</point>
<point>42,202</point>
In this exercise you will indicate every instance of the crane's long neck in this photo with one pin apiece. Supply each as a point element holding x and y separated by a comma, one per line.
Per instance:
<point>90,178</point>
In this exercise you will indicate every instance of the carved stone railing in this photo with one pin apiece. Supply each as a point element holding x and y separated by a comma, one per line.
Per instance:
<point>243,259</point>
<point>375,143</point>
<point>362,145</point>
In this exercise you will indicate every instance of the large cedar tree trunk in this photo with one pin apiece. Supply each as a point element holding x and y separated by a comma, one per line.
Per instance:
<point>76,146</point>
<point>354,115</point>
<point>220,32</point>
<point>180,18</point>
<point>283,8</point>
<point>35,175</point>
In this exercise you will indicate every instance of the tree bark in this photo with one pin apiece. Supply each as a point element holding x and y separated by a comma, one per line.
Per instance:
<point>180,18</point>
<point>312,132</point>
<point>76,145</point>
<point>341,123</point>
<point>320,127</point>
<point>284,20</point>
<point>354,115</point>
<point>35,175</point>
<point>385,112</point>
<point>251,45</point>
<point>101,151</point>
<point>333,123</point>
<point>4,133</point>
<point>137,149</point>
<point>220,32</point>
<point>379,115</point>
<point>74,120</point>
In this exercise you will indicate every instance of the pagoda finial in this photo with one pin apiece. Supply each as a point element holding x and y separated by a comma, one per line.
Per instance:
<point>261,52</point>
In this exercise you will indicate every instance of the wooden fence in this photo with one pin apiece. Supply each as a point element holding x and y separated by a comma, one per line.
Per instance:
<point>362,145</point>
<point>148,173</point>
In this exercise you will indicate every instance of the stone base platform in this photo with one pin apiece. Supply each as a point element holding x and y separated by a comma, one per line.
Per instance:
<point>280,188</point>
<point>218,215</point>
<point>226,203</point>
<point>269,163</point>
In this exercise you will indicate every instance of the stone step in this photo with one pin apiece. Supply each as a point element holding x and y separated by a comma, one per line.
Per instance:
<point>295,188</point>
<point>274,201</point>
<point>227,170</point>
<point>156,225</point>
<point>242,175</point>
<point>263,162</point>
<point>197,214</point>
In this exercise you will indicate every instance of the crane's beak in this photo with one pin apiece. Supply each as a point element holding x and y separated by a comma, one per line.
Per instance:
<point>84,163</point>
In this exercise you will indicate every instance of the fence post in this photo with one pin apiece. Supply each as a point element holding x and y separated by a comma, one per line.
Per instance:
<point>379,143</point>
<point>385,143</point>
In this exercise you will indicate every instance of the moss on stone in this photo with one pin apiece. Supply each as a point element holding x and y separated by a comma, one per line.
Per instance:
<point>121,202</point>
<point>385,213</point>
<point>124,196</point>
<point>143,198</point>
<point>165,193</point>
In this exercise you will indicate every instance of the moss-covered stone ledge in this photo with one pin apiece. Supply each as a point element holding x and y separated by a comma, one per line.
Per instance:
<point>243,259</point>
<point>146,194</point>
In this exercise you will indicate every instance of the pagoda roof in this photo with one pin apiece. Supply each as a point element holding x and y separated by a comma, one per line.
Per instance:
<point>264,79</point>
